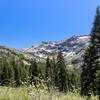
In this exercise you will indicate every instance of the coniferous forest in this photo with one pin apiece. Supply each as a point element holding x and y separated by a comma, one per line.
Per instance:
<point>54,74</point>
<point>13,72</point>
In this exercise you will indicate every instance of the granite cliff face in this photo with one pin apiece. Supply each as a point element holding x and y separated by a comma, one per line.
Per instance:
<point>71,47</point>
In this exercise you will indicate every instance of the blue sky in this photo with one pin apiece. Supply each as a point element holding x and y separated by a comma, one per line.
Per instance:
<point>24,23</point>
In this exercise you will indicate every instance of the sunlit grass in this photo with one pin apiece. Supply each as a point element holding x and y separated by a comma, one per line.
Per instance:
<point>31,93</point>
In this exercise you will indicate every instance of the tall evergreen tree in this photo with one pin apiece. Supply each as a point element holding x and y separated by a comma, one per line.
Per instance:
<point>89,69</point>
<point>4,74</point>
<point>91,60</point>
<point>96,23</point>
<point>48,73</point>
<point>54,72</point>
<point>18,74</point>
<point>48,69</point>
<point>95,33</point>
<point>62,81</point>
<point>97,39</point>
<point>33,72</point>
<point>23,72</point>
<point>7,74</point>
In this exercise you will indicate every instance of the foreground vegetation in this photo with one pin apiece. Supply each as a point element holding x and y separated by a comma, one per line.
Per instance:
<point>31,93</point>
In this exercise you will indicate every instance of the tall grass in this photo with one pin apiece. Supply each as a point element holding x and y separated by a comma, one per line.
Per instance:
<point>31,93</point>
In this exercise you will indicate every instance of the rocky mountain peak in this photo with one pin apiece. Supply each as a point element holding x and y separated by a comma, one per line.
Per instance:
<point>71,47</point>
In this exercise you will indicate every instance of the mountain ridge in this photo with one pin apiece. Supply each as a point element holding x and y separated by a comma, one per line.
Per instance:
<point>72,48</point>
<point>67,46</point>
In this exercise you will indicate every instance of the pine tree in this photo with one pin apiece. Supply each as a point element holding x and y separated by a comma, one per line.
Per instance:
<point>97,80</point>
<point>41,70</point>
<point>53,73</point>
<point>89,69</point>
<point>26,72</point>
<point>7,75</point>
<point>96,23</point>
<point>91,60</point>
<point>18,74</point>
<point>62,81</point>
<point>23,72</point>
<point>48,73</point>
<point>33,72</point>
<point>35,68</point>
<point>98,83</point>
<point>48,69</point>
<point>95,33</point>
<point>97,40</point>
<point>4,74</point>
<point>74,79</point>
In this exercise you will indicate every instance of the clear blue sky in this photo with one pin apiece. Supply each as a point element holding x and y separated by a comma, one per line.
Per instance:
<point>24,23</point>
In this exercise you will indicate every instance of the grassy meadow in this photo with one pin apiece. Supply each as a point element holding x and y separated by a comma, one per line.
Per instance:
<point>31,93</point>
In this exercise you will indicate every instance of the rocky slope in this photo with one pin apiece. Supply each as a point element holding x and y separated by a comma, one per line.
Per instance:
<point>71,47</point>
<point>9,53</point>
